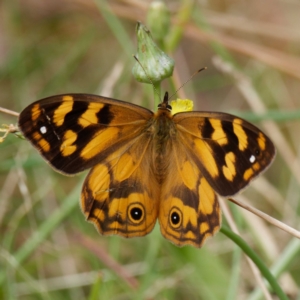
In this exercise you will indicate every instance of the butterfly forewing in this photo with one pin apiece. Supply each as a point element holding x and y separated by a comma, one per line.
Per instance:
<point>74,132</point>
<point>229,151</point>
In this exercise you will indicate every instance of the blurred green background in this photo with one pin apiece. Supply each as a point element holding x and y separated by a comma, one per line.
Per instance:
<point>251,50</point>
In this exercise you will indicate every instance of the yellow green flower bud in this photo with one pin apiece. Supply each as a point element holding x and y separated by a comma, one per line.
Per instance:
<point>158,20</point>
<point>153,63</point>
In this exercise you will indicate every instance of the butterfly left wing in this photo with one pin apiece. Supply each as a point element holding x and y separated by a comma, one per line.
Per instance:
<point>73,132</point>
<point>120,195</point>
<point>211,152</point>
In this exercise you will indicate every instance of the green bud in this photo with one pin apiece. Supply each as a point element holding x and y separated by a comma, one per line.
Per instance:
<point>156,64</point>
<point>158,19</point>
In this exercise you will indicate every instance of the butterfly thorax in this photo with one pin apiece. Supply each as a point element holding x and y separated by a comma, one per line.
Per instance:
<point>163,132</point>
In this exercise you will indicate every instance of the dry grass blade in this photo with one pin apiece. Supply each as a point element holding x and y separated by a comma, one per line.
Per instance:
<point>268,218</point>
<point>245,26</point>
<point>274,58</point>
<point>9,112</point>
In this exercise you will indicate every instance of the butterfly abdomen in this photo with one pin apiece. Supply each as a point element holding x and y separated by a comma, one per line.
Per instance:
<point>163,132</point>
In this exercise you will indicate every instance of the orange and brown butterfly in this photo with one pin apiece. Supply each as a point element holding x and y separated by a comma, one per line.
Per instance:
<point>147,166</point>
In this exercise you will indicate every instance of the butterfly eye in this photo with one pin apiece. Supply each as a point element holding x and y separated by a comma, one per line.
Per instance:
<point>136,213</point>
<point>175,217</point>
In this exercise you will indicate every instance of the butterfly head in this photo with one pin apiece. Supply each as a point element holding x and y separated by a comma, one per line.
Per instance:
<point>165,103</point>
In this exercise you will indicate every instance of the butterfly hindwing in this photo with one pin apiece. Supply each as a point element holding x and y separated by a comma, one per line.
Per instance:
<point>189,209</point>
<point>73,132</point>
<point>120,195</point>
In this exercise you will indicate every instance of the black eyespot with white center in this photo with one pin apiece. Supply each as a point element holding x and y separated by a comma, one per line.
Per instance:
<point>136,213</point>
<point>175,218</point>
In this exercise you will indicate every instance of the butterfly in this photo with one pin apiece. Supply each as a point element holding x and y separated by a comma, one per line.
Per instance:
<point>146,166</point>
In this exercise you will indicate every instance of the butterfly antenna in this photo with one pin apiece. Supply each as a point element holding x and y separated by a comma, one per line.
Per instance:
<point>156,91</point>
<point>194,74</point>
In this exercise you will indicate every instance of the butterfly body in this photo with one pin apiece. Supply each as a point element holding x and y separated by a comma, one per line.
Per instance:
<point>162,132</point>
<point>147,166</point>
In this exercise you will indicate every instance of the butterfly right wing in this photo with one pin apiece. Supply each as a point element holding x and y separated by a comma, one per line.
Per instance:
<point>120,195</point>
<point>73,132</point>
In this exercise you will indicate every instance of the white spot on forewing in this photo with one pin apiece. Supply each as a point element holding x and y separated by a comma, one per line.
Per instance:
<point>252,159</point>
<point>43,129</point>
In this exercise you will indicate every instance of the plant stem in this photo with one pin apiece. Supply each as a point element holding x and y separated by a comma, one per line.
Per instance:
<point>258,262</point>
